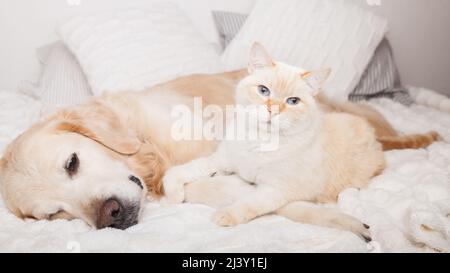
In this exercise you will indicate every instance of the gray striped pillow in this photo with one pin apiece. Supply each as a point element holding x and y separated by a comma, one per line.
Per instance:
<point>228,25</point>
<point>381,78</point>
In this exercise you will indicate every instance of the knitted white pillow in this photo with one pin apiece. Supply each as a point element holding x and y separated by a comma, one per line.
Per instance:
<point>63,82</point>
<point>136,49</point>
<point>312,35</point>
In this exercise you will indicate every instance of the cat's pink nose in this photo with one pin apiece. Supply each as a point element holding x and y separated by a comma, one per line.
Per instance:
<point>273,111</point>
<point>274,107</point>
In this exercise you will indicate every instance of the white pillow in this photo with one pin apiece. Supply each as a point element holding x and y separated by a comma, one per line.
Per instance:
<point>63,82</point>
<point>312,35</point>
<point>136,49</point>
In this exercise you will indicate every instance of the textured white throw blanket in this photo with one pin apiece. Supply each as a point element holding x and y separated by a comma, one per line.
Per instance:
<point>407,207</point>
<point>430,98</point>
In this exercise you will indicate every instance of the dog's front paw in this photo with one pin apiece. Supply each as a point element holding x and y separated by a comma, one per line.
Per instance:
<point>173,187</point>
<point>224,218</point>
<point>234,215</point>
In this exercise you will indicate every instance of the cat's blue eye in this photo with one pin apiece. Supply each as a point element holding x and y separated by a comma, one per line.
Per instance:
<point>293,101</point>
<point>264,90</point>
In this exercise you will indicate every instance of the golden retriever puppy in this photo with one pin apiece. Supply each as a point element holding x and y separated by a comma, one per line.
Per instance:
<point>98,161</point>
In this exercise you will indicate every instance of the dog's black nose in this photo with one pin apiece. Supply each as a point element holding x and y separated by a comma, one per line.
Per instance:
<point>113,214</point>
<point>136,180</point>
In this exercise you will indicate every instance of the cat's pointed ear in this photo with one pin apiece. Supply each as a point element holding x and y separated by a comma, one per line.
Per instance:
<point>316,79</point>
<point>259,58</point>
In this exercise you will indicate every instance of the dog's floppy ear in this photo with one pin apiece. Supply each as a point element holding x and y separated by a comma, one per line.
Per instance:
<point>99,123</point>
<point>150,164</point>
<point>7,155</point>
<point>2,164</point>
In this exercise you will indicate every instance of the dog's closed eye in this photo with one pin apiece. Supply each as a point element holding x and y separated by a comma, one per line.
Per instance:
<point>72,165</point>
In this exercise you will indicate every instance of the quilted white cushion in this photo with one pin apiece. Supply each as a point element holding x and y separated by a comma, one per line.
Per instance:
<point>136,49</point>
<point>312,35</point>
<point>63,82</point>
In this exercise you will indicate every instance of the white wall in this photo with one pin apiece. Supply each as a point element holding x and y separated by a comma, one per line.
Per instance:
<point>420,33</point>
<point>420,36</point>
<point>28,24</point>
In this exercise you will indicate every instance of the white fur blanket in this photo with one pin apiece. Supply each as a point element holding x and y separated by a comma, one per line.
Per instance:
<point>407,207</point>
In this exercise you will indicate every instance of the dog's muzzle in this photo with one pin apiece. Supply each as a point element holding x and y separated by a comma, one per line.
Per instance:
<point>118,214</point>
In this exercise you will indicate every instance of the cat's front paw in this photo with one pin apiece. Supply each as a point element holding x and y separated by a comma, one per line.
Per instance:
<point>364,233</point>
<point>173,187</point>
<point>224,218</point>
<point>347,222</point>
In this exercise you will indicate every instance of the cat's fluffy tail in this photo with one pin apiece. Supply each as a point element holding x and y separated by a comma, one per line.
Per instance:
<point>409,141</point>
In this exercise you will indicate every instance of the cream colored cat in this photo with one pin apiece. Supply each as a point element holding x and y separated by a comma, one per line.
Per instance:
<point>318,154</point>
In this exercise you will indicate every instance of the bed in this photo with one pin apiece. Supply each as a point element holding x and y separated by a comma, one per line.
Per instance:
<point>407,206</point>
